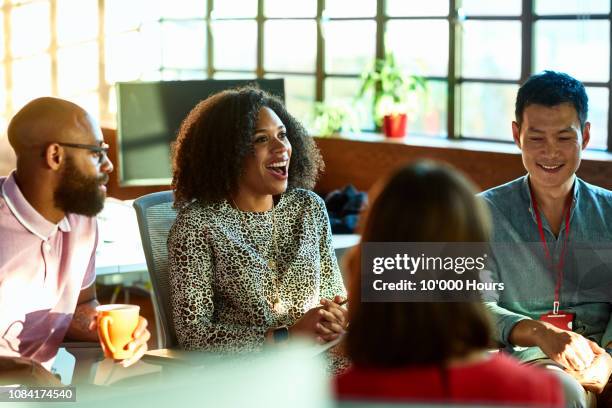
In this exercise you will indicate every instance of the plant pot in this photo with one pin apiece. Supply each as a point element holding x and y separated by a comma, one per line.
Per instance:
<point>395,125</point>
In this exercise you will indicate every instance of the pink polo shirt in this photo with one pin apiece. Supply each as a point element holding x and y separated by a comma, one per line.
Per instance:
<point>43,267</point>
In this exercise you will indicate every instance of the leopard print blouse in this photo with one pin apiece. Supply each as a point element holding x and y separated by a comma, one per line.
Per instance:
<point>223,285</point>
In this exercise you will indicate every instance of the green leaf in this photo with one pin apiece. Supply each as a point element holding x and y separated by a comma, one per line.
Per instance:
<point>390,85</point>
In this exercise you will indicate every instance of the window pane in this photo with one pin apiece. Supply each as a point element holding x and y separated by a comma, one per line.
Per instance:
<point>491,49</point>
<point>122,15</point>
<point>400,8</point>
<point>342,56</point>
<point>342,92</point>
<point>120,64</point>
<point>77,68</point>
<point>191,35</point>
<point>300,56</point>
<point>566,45</point>
<point>290,8</point>
<point>7,156</point>
<point>183,9</point>
<point>26,41</point>
<point>235,8</point>
<point>299,95</point>
<point>2,93</point>
<point>235,45</point>
<point>151,75</point>
<point>491,8</point>
<point>112,101</point>
<point>2,37</point>
<point>89,101</point>
<point>234,75</point>
<point>120,50</point>
<point>31,79</point>
<point>420,57</point>
<point>77,20</point>
<point>150,53</point>
<point>182,74</point>
<point>350,8</point>
<point>598,116</point>
<point>572,6</point>
<point>427,113</point>
<point>487,110</point>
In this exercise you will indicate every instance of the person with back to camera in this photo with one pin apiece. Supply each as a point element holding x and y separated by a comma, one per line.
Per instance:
<point>250,254</point>
<point>430,352</point>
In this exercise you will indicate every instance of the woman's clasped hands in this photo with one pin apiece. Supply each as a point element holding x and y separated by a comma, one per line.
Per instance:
<point>323,323</point>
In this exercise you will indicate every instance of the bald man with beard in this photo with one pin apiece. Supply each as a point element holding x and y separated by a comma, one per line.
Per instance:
<point>49,234</point>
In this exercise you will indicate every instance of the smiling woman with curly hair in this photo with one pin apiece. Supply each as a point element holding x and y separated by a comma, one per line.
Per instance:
<point>250,254</point>
<point>216,137</point>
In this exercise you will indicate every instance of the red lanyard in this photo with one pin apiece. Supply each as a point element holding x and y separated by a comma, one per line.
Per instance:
<point>566,211</point>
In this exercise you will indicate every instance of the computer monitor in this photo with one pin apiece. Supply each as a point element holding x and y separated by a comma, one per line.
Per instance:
<point>149,115</point>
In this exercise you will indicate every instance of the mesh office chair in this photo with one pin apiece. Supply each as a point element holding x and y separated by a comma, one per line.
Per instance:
<point>155,217</point>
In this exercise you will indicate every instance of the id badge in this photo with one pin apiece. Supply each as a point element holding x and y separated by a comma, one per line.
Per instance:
<point>562,320</point>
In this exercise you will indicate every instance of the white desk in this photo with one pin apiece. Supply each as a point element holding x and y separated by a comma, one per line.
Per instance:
<point>344,241</point>
<point>119,258</point>
<point>112,258</point>
<point>120,249</point>
<point>215,380</point>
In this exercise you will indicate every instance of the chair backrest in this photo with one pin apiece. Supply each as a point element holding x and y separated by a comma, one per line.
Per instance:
<point>155,217</point>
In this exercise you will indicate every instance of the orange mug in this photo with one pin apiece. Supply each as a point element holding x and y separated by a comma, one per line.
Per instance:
<point>116,325</point>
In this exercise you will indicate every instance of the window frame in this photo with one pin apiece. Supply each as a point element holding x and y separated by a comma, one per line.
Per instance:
<point>454,80</point>
<point>528,18</point>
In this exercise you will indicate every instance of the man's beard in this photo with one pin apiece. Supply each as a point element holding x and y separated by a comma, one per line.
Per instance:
<point>78,193</point>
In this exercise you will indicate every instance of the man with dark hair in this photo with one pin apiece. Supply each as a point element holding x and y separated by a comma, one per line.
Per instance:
<point>48,231</point>
<point>543,316</point>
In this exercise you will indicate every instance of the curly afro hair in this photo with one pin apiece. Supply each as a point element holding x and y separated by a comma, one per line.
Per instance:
<point>215,137</point>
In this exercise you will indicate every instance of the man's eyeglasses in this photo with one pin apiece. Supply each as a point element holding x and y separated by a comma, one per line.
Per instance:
<point>101,150</point>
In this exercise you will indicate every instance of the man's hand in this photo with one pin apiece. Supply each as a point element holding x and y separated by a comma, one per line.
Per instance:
<point>82,326</point>
<point>596,376</point>
<point>139,345</point>
<point>84,314</point>
<point>567,348</point>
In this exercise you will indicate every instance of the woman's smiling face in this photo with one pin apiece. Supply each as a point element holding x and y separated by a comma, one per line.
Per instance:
<point>266,170</point>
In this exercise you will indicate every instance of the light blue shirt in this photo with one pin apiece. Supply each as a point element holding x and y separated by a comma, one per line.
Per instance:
<point>514,222</point>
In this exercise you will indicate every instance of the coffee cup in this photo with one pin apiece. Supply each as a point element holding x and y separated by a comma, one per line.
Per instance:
<point>116,325</point>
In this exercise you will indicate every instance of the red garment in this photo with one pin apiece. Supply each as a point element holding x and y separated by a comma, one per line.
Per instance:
<point>498,380</point>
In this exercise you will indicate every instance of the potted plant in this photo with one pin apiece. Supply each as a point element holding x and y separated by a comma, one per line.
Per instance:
<point>391,87</point>
<point>331,119</point>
